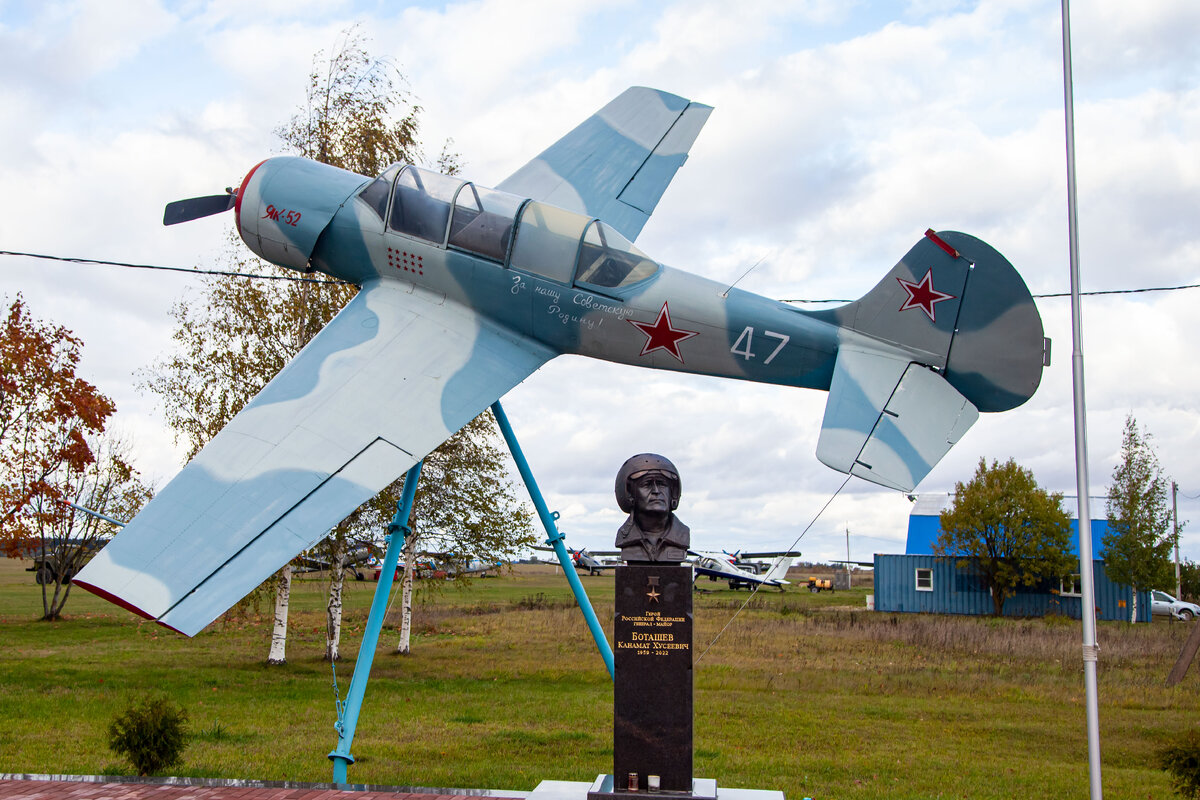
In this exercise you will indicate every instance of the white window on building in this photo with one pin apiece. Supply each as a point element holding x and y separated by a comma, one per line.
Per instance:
<point>1070,586</point>
<point>924,579</point>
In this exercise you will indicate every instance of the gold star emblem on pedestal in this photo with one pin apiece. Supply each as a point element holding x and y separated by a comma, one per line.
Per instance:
<point>653,594</point>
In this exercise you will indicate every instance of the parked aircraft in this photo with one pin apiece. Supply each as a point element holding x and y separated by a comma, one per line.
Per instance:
<point>592,563</point>
<point>355,560</point>
<point>757,563</point>
<point>442,565</point>
<point>723,569</point>
<point>467,290</point>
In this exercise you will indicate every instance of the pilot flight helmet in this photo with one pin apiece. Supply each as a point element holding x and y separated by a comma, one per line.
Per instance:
<point>639,465</point>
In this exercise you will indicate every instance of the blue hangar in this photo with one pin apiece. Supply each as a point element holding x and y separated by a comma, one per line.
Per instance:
<point>918,581</point>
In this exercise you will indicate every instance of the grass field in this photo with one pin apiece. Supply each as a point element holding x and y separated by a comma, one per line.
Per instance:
<point>809,694</point>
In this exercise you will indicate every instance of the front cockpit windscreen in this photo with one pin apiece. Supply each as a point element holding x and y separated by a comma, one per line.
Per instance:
<point>609,260</point>
<point>376,193</point>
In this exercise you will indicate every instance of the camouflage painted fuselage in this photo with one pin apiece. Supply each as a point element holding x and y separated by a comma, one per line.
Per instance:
<point>676,320</point>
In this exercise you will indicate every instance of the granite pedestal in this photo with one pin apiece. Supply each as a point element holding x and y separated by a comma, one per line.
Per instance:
<point>652,689</point>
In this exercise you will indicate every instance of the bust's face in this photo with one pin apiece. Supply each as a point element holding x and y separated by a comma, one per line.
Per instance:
<point>651,493</point>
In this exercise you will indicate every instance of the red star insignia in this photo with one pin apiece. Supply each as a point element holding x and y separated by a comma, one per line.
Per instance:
<point>922,295</point>
<point>661,335</point>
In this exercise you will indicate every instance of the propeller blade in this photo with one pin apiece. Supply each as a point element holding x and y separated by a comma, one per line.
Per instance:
<point>197,207</point>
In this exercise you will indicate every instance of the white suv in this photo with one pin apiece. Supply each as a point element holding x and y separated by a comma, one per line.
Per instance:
<point>1163,604</point>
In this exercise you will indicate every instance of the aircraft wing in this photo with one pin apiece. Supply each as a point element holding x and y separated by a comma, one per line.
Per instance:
<point>395,374</point>
<point>618,162</point>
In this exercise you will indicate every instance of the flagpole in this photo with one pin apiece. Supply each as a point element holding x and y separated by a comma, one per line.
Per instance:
<point>1091,651</point>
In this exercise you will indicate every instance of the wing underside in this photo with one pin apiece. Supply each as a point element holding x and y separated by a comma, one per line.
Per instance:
<point>618,162</point>
<point>392,377</point>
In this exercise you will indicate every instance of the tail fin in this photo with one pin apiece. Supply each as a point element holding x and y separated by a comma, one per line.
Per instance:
<point>961,308</point>
<point>779,570</point>
<point>951,331</point>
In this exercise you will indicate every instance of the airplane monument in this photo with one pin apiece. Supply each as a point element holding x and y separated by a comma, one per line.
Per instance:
<point>467,290</point>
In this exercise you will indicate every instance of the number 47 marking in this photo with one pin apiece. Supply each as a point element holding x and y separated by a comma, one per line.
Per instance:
<point>744,342</point>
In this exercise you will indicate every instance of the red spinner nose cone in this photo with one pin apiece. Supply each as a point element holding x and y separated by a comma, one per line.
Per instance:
<point>241,192</point>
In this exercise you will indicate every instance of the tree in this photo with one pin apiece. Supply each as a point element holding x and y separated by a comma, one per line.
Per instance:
<point>47,414</point>
<point>241,331</point>
<point>1190,578</point>
<point>1138,544</point>
<point>68,538</point>
<point>357,114</point>
<point>1010,529</point>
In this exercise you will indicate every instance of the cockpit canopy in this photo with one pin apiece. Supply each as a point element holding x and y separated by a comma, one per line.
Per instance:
<point>525,234</point>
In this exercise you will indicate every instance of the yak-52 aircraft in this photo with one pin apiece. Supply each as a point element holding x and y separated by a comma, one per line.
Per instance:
<point>466,290</point>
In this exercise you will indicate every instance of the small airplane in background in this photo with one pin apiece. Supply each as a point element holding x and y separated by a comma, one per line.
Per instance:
<point>715,569</point>
<point>444,566</point>
<point>757,563</point>
<point>356,558</point>
<point>594,563</point>
<point>715,566</point>
<point>451,566</point>
<point>467,290</point>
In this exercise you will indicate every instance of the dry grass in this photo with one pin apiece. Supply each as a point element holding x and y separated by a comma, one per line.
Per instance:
<point>810,694</point>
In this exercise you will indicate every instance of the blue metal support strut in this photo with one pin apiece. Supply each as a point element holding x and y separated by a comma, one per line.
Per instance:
<point>397,531</point>
<point>555,539</point>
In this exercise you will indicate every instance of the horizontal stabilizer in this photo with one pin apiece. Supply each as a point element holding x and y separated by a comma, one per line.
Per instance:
<point>889,420</point>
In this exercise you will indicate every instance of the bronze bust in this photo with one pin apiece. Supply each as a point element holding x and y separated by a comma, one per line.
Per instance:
<point>648,489</point>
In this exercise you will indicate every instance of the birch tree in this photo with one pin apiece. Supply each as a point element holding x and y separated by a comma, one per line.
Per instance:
<point>333,606</point>
<point>233,337</point>
<point>404,645</point>
<point>1138,544</point>
<point>67,537</point>
<point>283,594</point>
<point>465,505</point>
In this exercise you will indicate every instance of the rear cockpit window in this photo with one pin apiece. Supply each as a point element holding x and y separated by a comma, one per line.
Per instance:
<point>421,204</point>
<point>609,260</point>
<point>483,221</point>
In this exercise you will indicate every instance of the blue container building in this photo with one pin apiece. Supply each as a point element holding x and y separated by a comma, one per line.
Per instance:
<point>919,581</point>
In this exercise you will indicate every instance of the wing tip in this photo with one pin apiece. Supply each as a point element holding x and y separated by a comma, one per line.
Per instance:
<point>125,604</point>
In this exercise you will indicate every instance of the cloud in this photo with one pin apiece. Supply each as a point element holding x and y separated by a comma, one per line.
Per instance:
<point>838,136</point>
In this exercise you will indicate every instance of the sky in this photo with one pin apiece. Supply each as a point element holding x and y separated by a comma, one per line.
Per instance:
<point>841,132</point>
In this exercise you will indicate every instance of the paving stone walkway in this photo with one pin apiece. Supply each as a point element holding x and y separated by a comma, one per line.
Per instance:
<point>58,787</point>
